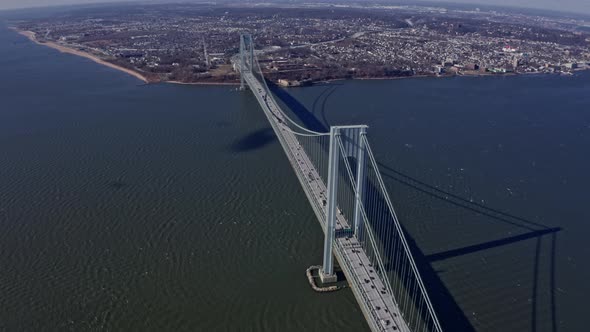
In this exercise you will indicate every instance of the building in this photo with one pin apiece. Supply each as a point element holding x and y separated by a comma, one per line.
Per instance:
<point>438,70</point>
<point>287,83</point>
<point>509,49</point>
<point>515,62</point>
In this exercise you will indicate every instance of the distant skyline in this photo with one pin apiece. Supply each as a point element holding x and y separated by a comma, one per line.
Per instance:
<point>575,6</point>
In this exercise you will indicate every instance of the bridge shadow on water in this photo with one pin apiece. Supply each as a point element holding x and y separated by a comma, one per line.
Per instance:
<point>311,119</point>
<point>254,140</point>
<point>452,317</point>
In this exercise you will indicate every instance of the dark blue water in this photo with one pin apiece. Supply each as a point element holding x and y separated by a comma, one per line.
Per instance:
<point>162,207</point>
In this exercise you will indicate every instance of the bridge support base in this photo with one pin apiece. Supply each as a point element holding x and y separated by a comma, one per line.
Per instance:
<point>327,278</point>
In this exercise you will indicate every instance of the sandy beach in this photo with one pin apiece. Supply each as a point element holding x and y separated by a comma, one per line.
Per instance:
<point>31,35</point>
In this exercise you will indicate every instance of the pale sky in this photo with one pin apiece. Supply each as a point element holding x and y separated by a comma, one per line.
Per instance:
<point>576,6</point>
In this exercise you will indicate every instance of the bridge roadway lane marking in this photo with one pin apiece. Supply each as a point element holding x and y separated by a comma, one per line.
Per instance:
<point>383,309</point>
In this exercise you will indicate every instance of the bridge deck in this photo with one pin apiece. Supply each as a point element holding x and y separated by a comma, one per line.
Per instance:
<point>377,304</point>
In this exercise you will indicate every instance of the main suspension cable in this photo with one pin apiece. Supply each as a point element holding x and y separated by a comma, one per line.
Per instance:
<point>268,93</point>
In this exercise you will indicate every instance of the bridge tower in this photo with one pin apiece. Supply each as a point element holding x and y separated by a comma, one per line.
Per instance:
<point>246,56</point>
<point>352,146</point>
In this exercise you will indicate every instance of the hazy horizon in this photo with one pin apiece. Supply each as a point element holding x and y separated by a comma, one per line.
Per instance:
<point>573,6</point>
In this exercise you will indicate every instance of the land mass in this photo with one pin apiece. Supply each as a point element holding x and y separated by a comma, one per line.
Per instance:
<point>64,49</point>
<point>301,43</point>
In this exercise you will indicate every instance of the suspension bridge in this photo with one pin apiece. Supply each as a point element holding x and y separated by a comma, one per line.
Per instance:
<point>341,179</point>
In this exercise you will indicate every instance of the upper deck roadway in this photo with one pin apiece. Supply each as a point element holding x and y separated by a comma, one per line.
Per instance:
<point>376,302</point>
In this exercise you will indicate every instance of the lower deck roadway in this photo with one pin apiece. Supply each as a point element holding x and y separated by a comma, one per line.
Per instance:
<point>376,302</point>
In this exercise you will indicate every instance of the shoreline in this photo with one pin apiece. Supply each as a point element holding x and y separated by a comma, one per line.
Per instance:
<point>64,49</point>
<point>201,83</point>
<point>478,75</point>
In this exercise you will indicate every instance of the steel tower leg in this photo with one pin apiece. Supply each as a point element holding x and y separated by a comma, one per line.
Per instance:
<point>327,271</point>
<point>251,53</point>
<point>242,62</point>
<point>360,183</point>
